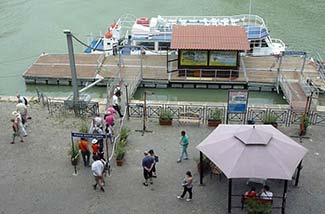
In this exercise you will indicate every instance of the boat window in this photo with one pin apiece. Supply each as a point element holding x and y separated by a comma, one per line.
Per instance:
<point>164,46</point>
<point>108,43</point>
<point>264,44</point>
<point>147,45</point>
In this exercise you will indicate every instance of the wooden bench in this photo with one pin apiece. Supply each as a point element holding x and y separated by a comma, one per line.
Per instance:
<point>189,117</point>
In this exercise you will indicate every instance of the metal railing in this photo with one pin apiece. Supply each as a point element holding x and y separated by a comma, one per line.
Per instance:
<point>283,113</point>
<point>284,84</point>
<point>207,74</point>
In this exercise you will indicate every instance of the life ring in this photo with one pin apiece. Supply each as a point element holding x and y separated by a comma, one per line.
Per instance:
<point>143,21</point>
<point>108,35</point>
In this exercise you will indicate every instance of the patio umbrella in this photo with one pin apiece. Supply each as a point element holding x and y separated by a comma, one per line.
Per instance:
<point>252,151</point>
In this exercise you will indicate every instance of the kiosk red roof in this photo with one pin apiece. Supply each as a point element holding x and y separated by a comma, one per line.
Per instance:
<point>209,38</point>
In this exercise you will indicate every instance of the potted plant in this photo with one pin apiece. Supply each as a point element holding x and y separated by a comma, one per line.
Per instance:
<point>120,152</point>
<point>215,118</point>
<point>165,117</point>
<point>270,118</point>
<point>124,134</point>
<point>258,206</point>
<point>74,154</point>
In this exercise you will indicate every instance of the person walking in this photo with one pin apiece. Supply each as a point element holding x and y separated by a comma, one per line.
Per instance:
<point>147,164</point>
<point>85,153</point>
<point>97,169</point>
<point>16,132</point>
<point>187,184</point>
<point>109,120</point>
<point>22,109</point>
<point>95,148</point>
<point>184,144</point>
<point>22,99</point>
<point>116,99</point>
<point>19,122</point>
<point>156,159</point>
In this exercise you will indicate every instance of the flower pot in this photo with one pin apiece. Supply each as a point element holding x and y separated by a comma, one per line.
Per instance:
<point>165,122</point>
<point>119,162</point>
<point>213,123</point>
<point>74,161</point>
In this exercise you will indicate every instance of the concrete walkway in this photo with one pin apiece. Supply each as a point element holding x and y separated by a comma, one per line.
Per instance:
<point>36,176</point>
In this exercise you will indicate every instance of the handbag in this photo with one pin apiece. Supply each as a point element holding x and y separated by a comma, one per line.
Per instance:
<point>156,158</point>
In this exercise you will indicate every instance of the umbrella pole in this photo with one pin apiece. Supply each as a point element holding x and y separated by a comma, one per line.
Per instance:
<point>298,173</point>
<point>229,195</point>
<point>284,197</point>
<point>201,168</point>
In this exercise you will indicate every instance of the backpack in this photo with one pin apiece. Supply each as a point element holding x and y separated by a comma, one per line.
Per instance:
<point>25,101</point>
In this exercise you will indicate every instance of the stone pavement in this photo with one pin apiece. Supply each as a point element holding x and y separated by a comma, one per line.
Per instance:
<point>36,176</point>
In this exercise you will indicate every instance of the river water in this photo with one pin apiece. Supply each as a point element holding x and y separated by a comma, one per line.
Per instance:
<point>30,27</point>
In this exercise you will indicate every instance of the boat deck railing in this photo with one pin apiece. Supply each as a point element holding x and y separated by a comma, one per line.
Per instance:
<point>237,20</point>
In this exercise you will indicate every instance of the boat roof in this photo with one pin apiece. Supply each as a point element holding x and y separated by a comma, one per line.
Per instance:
<point>209,38</point>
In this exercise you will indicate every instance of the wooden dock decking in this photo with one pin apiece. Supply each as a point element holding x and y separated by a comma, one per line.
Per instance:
<point>55,69</point>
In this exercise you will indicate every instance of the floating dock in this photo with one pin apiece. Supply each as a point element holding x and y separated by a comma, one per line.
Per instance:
<point>257,73</point>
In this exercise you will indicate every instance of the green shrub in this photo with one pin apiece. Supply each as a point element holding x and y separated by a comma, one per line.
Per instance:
<point>124,134</point>
<point>165,114</point>
<point>83,127</point>
<point>270,118</point>
<point>120,150</point>
<point>215,115</point>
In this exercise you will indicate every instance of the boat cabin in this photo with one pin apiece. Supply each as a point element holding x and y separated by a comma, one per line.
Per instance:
<point>209,51</point>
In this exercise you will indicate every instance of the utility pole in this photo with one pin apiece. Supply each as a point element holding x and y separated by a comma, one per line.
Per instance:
<point>73,72</point>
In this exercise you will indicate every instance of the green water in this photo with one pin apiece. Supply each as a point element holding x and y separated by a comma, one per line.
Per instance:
<point>206,95</point>
<point>29,27</point>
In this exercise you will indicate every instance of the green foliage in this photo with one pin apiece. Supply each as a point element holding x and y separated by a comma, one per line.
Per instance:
<point>305,120</point>
<point>74,153</point>
<point>165,114</point>
<point>124,133</point>
<point>83,127</point>
<point>120,149</point>
<point>215,115</point>
<point>270,118</point>
<point>121,144</point>
<point>258,206</point>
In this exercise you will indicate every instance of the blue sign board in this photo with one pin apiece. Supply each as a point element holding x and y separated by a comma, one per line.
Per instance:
<point>293,53</point>
<point>237,101</point>
<point>87,135</point>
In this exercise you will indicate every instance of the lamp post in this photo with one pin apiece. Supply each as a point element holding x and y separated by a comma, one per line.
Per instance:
<point>73,72</point>
<point>144,114</point>
<point>127,101</point>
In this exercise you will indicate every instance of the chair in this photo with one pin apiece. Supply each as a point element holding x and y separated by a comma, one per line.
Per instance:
<point>215,170</point>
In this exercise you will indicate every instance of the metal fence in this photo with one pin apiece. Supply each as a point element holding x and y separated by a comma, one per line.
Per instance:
<point>284,115</point>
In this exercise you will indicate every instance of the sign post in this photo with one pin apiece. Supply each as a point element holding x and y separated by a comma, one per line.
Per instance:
<point>237,102</point>
<point>88,135</point>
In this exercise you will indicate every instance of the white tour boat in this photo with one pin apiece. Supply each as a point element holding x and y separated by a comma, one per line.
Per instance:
<point>128,34</point>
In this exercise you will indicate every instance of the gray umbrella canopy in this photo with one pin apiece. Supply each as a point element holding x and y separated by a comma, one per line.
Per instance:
<point>252,151</point>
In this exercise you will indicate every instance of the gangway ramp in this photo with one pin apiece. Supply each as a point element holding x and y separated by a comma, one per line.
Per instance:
<point>295,90</point>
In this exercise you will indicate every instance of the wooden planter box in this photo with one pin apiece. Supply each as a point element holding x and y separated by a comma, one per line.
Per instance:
<point>213,123</point>
<point>165,122</point>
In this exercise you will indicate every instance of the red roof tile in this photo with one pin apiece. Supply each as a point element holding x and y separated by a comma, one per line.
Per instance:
<point>209,38</point>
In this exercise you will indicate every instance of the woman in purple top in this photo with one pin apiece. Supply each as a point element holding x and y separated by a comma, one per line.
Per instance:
<point>187,185</point>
